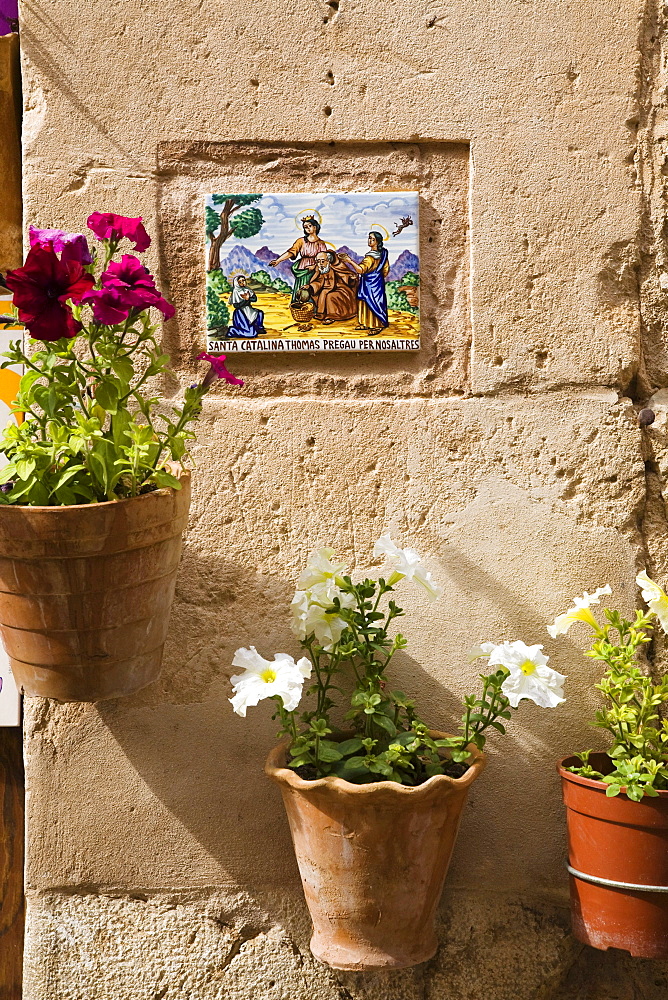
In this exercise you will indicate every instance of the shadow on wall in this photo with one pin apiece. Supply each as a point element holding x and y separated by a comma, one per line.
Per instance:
<point>504,904</point>
<point>205,764</point>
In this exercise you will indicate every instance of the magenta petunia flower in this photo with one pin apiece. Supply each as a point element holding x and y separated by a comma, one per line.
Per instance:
<point>218,369</point>
<point>9,16</point>
<point>108,226</point>
<point>42,288</point>
<point>108,306</point>
<point>74,246</point>
<point>128,272</point>
<point>135,284</point>
<point>126,287</point>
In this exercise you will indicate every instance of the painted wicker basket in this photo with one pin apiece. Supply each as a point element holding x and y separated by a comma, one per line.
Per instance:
<point>302,313</point>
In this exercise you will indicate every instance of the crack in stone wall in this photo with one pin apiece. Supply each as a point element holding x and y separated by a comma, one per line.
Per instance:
<point>646,266</point>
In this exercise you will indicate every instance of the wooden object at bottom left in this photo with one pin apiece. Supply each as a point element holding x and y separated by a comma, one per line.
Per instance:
<point>12,903</point>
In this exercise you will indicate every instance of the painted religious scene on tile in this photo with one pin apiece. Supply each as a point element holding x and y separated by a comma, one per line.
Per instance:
<point>312,272</point>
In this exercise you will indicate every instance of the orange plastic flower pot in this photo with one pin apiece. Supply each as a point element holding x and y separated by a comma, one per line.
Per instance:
<point>618,864</point>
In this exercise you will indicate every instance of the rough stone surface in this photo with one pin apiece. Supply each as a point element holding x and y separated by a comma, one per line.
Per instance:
<point>508,452</point>
<point>236,947</point>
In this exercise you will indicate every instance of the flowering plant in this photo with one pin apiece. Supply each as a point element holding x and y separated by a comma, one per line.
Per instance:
<point>345,629</point>
<point>633,700</point>
<point>92,431</point>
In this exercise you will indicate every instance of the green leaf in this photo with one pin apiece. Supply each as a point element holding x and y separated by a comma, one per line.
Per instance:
<point>106,395</point>
<point>350,746</point>
<point>64,495</point>
<point>384,723</point>
<point>353,769</point>
<point>23,489</point>
<point>28,380</point>
<point>25,468</point>
<point>122,368</point>
<point>9,472</point>
<point>164,478</point>
<point>300,760</point>
<point>328,753</point>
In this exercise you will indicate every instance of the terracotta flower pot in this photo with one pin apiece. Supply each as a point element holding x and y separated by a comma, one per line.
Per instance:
<point>373,860</point>
<point>86,591</point>
<point>615,840</point>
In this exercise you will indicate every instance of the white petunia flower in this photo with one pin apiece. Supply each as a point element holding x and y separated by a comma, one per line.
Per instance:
<point>655,598</point>
<point>407,563</point>
<point>265,678</point>
<point>311,614</point>
<point>530,677</point>
<point>319,569</point>
<point>579,612</point>
<point>484,649</point>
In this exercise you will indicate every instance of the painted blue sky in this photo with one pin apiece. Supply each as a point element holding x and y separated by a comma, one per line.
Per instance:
<point>346,219</point>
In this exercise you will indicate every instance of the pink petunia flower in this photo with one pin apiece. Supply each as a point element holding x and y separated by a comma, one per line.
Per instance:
<point>108,306</point>
<point>71,246</point>
<point>135,284</point>
<point>218,369</point>
<point>126,287</point>
<point>108,226</point>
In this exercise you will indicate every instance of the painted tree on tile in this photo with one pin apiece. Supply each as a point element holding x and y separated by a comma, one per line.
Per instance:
<point>229,221</point>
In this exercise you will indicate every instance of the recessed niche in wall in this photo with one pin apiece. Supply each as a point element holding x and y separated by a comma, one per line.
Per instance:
<point>434,174</point>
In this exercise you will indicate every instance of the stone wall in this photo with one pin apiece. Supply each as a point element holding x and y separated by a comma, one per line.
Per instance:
<point>507,451</point>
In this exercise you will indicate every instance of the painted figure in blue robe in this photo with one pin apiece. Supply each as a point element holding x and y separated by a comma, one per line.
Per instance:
<point>371,295</point>
<point>247,321</point>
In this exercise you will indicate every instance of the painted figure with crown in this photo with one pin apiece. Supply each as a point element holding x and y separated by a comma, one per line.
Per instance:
<point>303,252</point>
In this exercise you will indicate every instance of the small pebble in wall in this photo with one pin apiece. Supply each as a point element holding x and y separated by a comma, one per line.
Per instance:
<point>312,272</point>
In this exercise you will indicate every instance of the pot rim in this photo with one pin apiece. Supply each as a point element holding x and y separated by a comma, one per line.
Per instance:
<point>594,783</point>
<point>273,768</point>
<point>183,473</point>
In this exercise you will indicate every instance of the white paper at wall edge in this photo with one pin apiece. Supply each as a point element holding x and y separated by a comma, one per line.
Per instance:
<point>10,699</point>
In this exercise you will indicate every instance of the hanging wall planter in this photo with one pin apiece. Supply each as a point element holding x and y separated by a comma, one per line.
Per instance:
<point>86,591</point>
<point>618,864</point>
<point>93,495</point>
<point>373,859</point>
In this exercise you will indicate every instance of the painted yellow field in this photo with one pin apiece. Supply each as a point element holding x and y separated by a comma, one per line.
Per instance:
<point>277,317</point>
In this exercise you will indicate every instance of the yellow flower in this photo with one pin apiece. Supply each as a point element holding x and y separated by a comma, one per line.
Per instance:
<point>579,612</point>
<point>655,598</point>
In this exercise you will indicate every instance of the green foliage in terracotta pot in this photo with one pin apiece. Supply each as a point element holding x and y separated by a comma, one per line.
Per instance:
<point>634,702</point>
<point>346,630</point>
